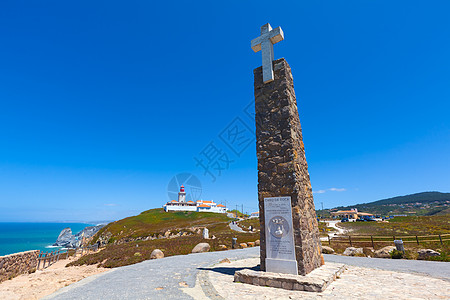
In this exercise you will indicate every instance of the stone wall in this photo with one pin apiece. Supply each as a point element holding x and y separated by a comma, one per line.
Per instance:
<point>18,263</point>
<point>282,167</point>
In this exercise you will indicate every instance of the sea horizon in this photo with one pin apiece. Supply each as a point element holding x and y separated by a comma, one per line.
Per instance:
<point>24,236</point>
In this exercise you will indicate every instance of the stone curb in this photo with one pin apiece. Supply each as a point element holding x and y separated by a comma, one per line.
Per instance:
<point>316,281</point>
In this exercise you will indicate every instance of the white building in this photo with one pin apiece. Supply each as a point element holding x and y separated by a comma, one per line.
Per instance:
<point>254,215</point>
<point>199,205</point>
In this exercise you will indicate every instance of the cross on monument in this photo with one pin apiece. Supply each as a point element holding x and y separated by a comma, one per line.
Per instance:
<point>265,43</point>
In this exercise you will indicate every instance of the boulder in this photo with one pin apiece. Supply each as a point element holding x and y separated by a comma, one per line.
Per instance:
<point>243,245</point>
<point>425,253</point>
<point>257,243</point>
<point>156,254</point>
<point>222,247</point>
<point>327,250</point>
<point>201,247</point>
<point>352,251</point>
<point>385,252</point>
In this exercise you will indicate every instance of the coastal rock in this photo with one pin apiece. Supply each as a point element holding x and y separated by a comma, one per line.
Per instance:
<point>222,247</point>
<point>327,250</point>
<point>89,231</point>
<point>201,247</point>
<point>65,238</point>
<point>425,253</point>
<point>384,252</point>
<point>156,254</point>
<point>68,240</point>
<point>352,251</point>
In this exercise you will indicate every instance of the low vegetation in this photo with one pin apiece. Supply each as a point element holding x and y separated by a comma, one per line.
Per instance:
<point>126,242</point>
<point>417,232</point>
<point>133,239</point>
<point>156,221</point>
<point>398,226</point>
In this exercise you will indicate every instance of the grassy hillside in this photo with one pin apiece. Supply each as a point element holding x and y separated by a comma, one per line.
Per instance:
<point>133,239</point>
<point>402,226</point>
<point>425,204</point>
<point>157,221</point>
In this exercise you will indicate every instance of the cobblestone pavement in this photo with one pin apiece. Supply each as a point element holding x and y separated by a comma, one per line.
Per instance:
<point>435,269</point>
<point>355,282</point>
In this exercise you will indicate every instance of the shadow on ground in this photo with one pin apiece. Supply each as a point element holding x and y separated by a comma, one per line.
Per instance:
<point>230,270</point>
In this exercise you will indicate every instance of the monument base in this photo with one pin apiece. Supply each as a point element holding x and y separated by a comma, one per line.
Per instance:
<point>316,281</point>
<point>281,266</point>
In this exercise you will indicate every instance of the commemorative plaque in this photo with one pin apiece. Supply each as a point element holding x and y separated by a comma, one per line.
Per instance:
<point>280,247</point>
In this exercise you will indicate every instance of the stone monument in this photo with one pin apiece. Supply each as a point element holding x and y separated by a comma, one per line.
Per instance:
<point>206,233</point>
<point>289,231</point>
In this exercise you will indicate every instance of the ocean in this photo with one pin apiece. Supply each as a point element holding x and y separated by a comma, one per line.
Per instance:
<point>18,237</point>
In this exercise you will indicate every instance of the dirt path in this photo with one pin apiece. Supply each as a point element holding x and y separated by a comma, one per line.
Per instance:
<point>45,282</point>
<point>340,230</point>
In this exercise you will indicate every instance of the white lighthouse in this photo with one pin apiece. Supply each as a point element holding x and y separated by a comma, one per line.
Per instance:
<point>182,194</point>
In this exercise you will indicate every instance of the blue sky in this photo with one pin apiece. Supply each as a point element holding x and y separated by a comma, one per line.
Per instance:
<point>103,102</point>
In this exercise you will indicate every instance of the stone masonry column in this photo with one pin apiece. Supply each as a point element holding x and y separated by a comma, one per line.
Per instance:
<point>282,167</point>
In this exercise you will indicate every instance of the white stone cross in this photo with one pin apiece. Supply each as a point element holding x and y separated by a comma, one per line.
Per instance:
<point>265,42</point>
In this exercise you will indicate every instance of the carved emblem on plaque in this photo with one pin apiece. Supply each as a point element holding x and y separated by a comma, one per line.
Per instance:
<point>278,227</point>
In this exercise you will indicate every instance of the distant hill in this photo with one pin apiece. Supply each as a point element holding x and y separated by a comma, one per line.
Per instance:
<point>426,203</point>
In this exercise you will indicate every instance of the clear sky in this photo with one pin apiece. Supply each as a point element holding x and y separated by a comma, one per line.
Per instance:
<point>103,102</point>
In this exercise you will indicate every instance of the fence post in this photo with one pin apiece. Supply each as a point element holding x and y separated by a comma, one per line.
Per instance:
<point>350,239</point>
<point>394,237</point>
<point>373,246</point>
<point>329,241</point>
<point>39,260</point>
<point>417,239</point>
<point>45,259</point>
<point>440,238</point>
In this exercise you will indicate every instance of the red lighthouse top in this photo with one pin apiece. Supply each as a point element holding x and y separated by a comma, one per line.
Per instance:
<point>182,188</point>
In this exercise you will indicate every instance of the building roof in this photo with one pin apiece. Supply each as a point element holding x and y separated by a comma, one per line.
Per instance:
<point>220,205</point>
<point>255,213</point>
<point>173,201</point>
<point>207,202</point>
<point>190,201</point>
<point>344,212</point>
<point>204,205</point>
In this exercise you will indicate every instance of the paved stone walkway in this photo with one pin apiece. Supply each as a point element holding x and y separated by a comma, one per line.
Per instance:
<point>354,283</point>
<point>235,227</point>
<point>187,277</point>
<point>152,279</point>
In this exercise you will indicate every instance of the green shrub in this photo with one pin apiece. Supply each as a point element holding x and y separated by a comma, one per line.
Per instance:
<point>395,254</point>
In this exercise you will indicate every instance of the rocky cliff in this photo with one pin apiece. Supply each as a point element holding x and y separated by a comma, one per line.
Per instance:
<point>68,240</point>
